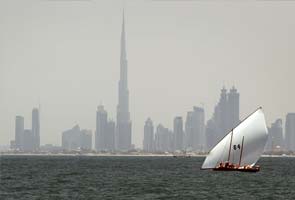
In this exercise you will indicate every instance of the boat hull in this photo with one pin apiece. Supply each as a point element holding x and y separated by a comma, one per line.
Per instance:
<point>240,169</point>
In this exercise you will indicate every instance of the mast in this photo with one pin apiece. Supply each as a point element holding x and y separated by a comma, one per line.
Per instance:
<point>231,139</point>
<point>241,151</point>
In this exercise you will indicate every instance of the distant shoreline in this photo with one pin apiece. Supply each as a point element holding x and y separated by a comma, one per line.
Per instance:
<point>123,155</point>
<point>99,155</point>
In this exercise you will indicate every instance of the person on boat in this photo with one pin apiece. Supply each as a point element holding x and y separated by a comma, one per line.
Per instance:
<point>221,165</point>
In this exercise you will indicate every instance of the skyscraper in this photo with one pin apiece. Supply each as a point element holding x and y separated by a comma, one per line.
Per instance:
<point>290,132</point>
<point>28,141</point>
<point>276,132</point>
<point>148,141</point>
<point>211,135</point>
<point>19,132</point>
<point>110,139</point>
<point>71,139</point>
<point>101,128</point>
<point>123,115</point>
<point>195,129</point>
<point>233,108</point>
<point>199,128</point>
<point>275,141</point>
<point>77,139</point>
<point>226,115</point>
<point>86,139</point>
<point>36,128</point>
<point>268,146</point>
<point>222,114</point>
<point>163,139</point>
<point>178,133</point>
<point>189,132</point>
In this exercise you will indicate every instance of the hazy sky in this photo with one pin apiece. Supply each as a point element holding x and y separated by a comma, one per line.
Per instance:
<point>65,55</point>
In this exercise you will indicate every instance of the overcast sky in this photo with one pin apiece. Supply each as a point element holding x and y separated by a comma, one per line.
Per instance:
<point>64,54</point>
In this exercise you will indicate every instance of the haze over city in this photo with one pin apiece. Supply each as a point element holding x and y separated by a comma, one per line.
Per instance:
<point>65,57</point>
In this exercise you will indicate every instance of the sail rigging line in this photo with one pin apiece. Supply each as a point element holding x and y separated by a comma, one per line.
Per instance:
<point>241,151</point>
<point>231,139</point>
<point>235,128</point>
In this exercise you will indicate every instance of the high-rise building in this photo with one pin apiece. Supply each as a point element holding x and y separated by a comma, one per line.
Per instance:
<point>233,108</point>
<point>171,141</point>
<point>19,132</point>
<point>227,111</point>
<point>211,135</point>
<point>28,141</point>
<point>277,134</point>
<point>86,139</point>
<point>222,114</point>
<point>36,128</point>
<point>225,117</point>
<point>290,132</point>
<point>268,146</point>
<point>275,141</point>
<point>163,139</point>
<point>71,139</point>
<point>189,131</point>
<point>123,115</point>
<point>110,138</point>
<point>178,133</point>
<point>195,129</point>
<point>148,141</point>
<point>101,133</point>
<point>77,139</point>
<point>199,129</point>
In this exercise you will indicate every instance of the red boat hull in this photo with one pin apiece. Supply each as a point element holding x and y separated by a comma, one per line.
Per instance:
<point>255,168</point>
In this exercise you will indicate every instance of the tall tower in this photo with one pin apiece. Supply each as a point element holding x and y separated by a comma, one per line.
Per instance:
<point>199,129</point>
<point>223,117</point>
<point>276,135</point>
<point>189,131</point>
<point>233,108</point>
<point>123,115</point>
<point>148,141</point>
<point>36,128</point>
<point>290,132</point>
<point>19,131</point>
<point>178,133</point>
<point>101,128</point>
<point>195,129</point>
<point>111,130</point>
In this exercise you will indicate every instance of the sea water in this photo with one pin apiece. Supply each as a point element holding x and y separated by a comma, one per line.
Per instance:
<point>91,177</point>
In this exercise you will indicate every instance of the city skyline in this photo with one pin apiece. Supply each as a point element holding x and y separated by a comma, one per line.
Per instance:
<point>165,81</point>
<point>193,134</point>
<point>27,139</point>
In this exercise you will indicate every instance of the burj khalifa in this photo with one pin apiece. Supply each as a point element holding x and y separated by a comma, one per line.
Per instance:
<point>123,129</point>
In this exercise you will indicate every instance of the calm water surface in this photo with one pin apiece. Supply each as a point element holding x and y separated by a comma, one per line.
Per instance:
<point>74,177</point>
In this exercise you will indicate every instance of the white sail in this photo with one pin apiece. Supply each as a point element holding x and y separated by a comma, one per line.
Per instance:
<point>255,134</point>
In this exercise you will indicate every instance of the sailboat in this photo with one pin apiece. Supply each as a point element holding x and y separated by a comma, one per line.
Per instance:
<point>241,148</point>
